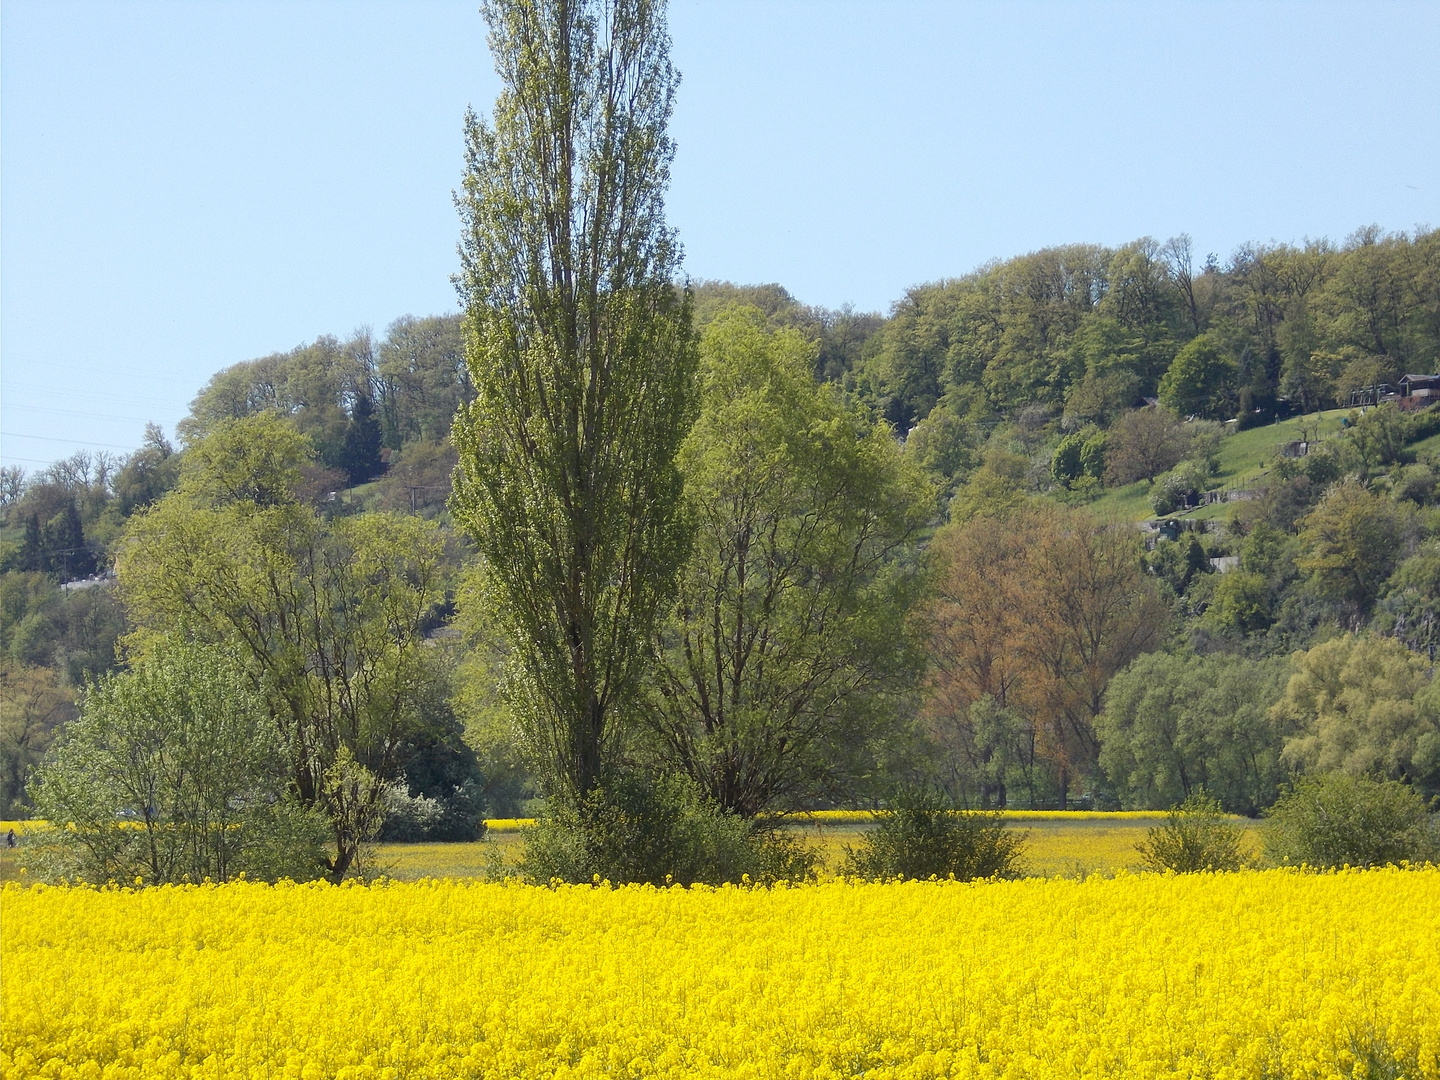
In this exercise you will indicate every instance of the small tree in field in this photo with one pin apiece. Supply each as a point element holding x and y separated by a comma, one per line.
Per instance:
<point>923,838</point>
<point>1195,837</point>
<point>173,771</point>
<point>1143,444</point>
<point>785,656</point>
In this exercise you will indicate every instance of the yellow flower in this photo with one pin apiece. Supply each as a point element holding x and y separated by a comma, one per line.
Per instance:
<point>1274,973</point>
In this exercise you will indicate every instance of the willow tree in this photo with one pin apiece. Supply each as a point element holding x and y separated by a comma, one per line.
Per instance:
<point>580,350</point>
<point>328,616</point>
<point>785,660</point>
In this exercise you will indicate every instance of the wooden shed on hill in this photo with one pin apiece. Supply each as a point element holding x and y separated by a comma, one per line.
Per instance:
<point>1420,387</point>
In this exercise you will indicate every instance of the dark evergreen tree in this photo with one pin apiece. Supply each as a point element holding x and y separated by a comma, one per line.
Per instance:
<point>62,543</point>
<point>361,456</point>
<point>32,549</point>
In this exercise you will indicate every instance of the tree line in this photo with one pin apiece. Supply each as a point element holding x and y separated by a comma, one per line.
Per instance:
<point>663,560</point>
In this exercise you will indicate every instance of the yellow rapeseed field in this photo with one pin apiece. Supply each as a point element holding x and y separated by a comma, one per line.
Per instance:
<point>1256,974</point>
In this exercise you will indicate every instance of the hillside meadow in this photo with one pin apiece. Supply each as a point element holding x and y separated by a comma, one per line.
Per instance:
<point>1243,460</point>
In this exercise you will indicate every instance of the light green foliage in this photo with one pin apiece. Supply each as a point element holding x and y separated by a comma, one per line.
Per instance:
<point>786,646</point>
<point>507,759</point>
<point>1410,610</point>
<point>1111,357</point>
<point>1180,487</point>
<point>421,379</point>
<point>1092,456</point>
<point>1065,466</point>
<point>311,385</point>
<point>71,632</point>
<point>173,771</point>
<point>1098,327</point>
<point>1199,379</point>
<point>997,486</point>
<point>1380,435</point>
<point>1365,707</point>
<point>418,480</point>
<point>1305,378</point>
<point>843,337</point>
<point>414,380</point>
<point>1239,604</point>
<point>1195,837</point>
<point>921,838</point>
<point>256,460</point>
<point>580,351</point>
<point>1414,483</point>
<point>34,705</point>
<point>1338,820</point>
<point>1266,551</point>
<point>148,473</point>
<point>328,617</point>
<point>1379,293</point>
<point>948,443</point>
<point>1177,562</point>
<point>987,752</point>
<point>1350,544</point>
<point>1175,726</point>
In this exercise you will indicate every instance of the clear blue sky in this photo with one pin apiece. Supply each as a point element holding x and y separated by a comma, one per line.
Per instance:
<point>187,185</point>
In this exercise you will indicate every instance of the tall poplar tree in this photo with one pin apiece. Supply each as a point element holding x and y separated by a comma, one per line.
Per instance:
<point>580,349</point>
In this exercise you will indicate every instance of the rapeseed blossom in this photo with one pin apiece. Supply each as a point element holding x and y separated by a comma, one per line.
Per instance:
<point>1254,974</point>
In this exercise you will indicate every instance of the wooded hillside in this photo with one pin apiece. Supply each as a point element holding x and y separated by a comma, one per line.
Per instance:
<point>1038,645</point>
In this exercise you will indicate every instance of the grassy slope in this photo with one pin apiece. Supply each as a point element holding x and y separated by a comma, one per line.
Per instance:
<point>1244,457</point>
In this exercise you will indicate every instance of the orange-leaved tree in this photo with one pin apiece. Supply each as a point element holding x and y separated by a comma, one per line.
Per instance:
<point>1034,611</point>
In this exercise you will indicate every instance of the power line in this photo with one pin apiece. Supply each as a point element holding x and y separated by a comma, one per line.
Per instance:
<point>86,415</point>
<point>51,438</point>
<point>77,369</point>
<point>128,399</point>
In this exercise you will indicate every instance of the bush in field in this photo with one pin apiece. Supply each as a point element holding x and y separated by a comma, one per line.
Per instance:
<point>922,838</point>
<point>1338,820</point>
<point>1195,837</point>
<point>639,829</point>
<point>173,771</point>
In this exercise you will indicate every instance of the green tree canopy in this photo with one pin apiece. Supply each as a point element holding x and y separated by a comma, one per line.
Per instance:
<point>580,350</point>
<point>1363,706</point>
<point>1198,379</point>
<point>1175,727</point>
<point>786,647</point>
<point>1350,544</point>
<point>328,616</point>
<point>173,771</point>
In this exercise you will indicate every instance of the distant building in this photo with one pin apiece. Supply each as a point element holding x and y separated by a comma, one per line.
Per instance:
<point>1420,387</point>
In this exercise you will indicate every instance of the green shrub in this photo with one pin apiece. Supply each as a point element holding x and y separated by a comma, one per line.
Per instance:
<point>923,838</point>
<point>656,830</point>
<point>1092,457</point>
<point>1180,487</point>
<point>173,771</point>
<point>1338,820</point>
<point>1065,466</point>
<point>1195,837</point>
